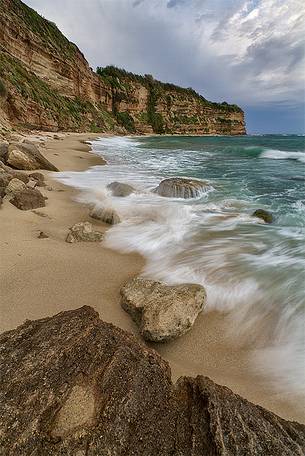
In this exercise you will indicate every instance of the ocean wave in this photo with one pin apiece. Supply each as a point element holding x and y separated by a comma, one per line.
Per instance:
<point>283,155</point>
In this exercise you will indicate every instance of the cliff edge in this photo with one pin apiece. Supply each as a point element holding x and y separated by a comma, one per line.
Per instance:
<point>46,83</point>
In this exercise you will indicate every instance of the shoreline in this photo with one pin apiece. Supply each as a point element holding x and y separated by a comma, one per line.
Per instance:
<point>45,276</point>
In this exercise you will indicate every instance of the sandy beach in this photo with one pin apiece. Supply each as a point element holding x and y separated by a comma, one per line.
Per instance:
<point>41,277</point>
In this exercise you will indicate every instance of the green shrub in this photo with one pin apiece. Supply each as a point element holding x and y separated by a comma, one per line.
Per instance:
<point>3,90</point>
<point>125,119</point>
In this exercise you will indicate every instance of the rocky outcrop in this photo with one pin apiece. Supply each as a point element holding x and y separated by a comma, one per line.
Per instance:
<point>105,214</point>
<point>120,189</point>
<point>162,312</point>
<point>264,215</point>
<point>180,187</point>
<point>46,83</point>
<point>28,199</point>
<point>74,385</point>
<point>27,157</point>
<point>83,231</point>
<point>14,186</point>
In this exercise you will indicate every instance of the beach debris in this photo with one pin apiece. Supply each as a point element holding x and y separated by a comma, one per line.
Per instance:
<point>28,198</point>
<point>14,186</point>
<point>106,215</point>
<point>72,382</point>
<point>180,187</point>
<point>161,311</point>
<point>27,157</point>
<point>39,178</point>
<point>83,231</point>
<point>42,235</point>
<point>120,189</point>
<point>264,215</point>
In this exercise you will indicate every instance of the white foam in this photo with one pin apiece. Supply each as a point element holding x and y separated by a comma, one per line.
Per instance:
<point>283,155</point>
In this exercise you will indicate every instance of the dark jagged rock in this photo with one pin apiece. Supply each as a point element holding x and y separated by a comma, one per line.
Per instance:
<point>120,189</point>
<point>27,199</point>
<point>73,385</point>
<point>27,157</point>
<point>264,215</point>
<point>39,178</point>
<point>180,187</point>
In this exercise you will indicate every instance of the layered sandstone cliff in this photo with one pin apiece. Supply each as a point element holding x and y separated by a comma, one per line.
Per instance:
<point>46,83</point>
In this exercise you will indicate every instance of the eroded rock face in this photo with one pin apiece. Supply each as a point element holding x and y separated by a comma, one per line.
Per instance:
<point>39,178</point>
<point>178,187</point>
<point>27,157</point>
<point>120,189</point>
<point>162,312</point>
<point>105,214</point>
<point>74,385</point>
<point>14,186</point>
<point>264,215</point>
<point>83,231</point>
<point>28,199</point>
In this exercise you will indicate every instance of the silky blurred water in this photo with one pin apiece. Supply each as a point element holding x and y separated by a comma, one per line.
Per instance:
<point>252,271</point>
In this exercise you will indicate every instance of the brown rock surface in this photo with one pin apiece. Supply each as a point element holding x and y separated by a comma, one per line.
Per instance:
<point>27,157</point>
<point>74,385</point>
<point>83,231</point>
<point>105,214</point>
<point>161,311</point>
<point>27,199</point>
<point>180,187</point>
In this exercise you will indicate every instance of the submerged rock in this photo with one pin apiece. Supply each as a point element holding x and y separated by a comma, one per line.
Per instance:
<point>180,187</point>
<point>74,385</point>
<point>120,189</point>
<point>83,231</point>
<point>27,199</point>
<point>162,312</point>
<point>27,157</point>
<point>106,215</point>
<point>264,215</point>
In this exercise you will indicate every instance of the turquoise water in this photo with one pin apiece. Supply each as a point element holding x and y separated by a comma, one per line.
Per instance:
<point>252,271</point>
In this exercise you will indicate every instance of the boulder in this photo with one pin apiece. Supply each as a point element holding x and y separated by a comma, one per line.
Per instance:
<point>39,178</point>
<point>106,215</point>
<point>120,189</point>
<point>180,187</point>
<point>21,176</point>
<point>162,312</point>
<point>2,192</point>
<point>27,199</point>
<point>73,385</point>
<point>14,186</point>
<point>4,178</point>
<point>264,215</point>
<point>27,157</point>
<point>3,151</point>
<point>83,231</point>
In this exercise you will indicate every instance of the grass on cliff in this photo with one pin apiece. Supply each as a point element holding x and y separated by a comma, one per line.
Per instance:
<point>45,30</point>
<point>66,111</point>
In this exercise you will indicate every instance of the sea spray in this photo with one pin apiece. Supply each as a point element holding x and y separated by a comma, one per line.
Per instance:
<point>253,272</point>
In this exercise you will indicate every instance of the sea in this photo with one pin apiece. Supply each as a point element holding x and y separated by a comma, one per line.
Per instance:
<point>253,272</point>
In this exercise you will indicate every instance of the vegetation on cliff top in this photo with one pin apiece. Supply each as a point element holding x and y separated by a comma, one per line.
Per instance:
<point>45,30</point>
<point>118,78</point>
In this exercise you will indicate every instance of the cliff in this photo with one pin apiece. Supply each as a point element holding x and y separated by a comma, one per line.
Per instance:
<point>46,83</point>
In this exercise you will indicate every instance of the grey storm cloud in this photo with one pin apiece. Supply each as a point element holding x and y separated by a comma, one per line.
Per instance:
<point>249,52</point>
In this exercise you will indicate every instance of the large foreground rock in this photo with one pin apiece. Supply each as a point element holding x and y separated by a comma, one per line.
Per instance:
<point>73,385</point>
<point>105,214</point>
<point>28,199</point>
<point>179,187</point>
<point>83,231</point>
<point>162,312</point>
<point>27,157</point>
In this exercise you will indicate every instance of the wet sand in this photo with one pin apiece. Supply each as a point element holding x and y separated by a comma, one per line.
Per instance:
<point>41,277</point>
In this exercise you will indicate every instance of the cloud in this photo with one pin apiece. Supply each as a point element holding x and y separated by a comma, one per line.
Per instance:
<point>249,52</point>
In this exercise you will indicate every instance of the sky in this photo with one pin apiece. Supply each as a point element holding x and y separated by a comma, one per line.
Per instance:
<point>247,52</point>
